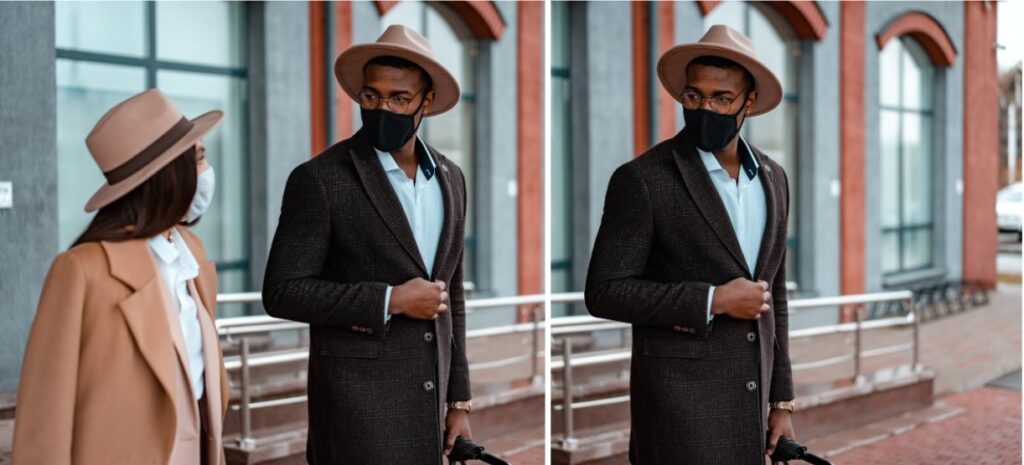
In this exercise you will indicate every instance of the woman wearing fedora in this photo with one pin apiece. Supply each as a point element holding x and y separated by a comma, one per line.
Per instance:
<point>368,251</point>
<point>691,251</point>
<point>123,364</point>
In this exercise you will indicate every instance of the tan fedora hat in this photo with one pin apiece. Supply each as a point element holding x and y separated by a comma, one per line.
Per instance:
<point>138,137</point>
<point>402,42</point>
<point>725,42</point>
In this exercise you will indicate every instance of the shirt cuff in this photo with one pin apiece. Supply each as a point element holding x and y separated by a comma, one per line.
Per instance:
<point>387,303</point>
<point>711,295</point>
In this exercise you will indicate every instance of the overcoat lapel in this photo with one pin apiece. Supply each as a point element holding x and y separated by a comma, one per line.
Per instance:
<point>771,207</point>
<point>383,197</point>
<point>702,190</point>
<point>448,229</point>
<point>147,324</point>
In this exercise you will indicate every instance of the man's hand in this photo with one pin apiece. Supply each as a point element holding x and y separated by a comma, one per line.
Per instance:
<point>456,423</point>
<point>418,298</point>
<point>780,423</point>
<point>741,298</point>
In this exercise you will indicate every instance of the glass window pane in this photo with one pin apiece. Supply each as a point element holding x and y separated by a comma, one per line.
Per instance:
<point>890,251</point>
<point>560,34</point>
<point>208,33</point>
<point>773,48</point>
<point>453,52</point>
<point>103,27</point>
<point>889,75</point>
<point>917,172</point>
<point>917,248</point>
<point>917,76</point>
<point>408,14</point>
<point>728,13</point>
<point>85,91</point>
<point>225,225</point>
<point>888,182</point>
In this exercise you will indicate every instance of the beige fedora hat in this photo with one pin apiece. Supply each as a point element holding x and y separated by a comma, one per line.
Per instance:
<point>725,42</point>
<point>402,42</point>
<point>138,137</point>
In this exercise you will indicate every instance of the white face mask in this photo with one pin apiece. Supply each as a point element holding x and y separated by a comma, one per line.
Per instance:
<point>205,184</point>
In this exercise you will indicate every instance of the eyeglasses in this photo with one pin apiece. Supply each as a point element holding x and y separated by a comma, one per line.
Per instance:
<point>397,103</point>
<point>719,103</point>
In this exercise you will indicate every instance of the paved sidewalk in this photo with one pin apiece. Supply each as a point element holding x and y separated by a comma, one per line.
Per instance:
<point>988,432</point>
<point>531,456</point>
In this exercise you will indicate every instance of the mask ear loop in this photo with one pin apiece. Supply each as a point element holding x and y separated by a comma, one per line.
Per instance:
<point>418,108</point>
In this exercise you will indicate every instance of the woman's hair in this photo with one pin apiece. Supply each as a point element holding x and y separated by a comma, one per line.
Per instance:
<point>156,205</point>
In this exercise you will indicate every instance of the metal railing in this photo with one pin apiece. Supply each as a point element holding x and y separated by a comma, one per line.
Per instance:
<point>240,329</point>
<point>565,327</point>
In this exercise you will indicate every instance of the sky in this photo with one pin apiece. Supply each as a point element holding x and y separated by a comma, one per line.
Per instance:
<point>1008,30</point>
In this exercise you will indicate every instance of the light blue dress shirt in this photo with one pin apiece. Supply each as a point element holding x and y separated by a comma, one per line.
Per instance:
<point>744,201</point>
<point>177,266</point>
<point>423,203</point>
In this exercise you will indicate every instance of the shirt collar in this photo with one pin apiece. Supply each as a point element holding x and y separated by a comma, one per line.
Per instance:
<point>747,160</point>
<point>423,157</point>
<point>177,254</point>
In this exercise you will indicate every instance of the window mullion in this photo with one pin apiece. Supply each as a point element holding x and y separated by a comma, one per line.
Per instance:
<point>151,44</point>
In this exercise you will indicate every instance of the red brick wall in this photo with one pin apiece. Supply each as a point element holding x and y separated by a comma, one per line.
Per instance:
<point>981,142</point>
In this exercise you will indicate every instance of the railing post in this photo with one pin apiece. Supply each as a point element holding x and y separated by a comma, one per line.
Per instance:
<point>858,315</point>
<point>534,341</point>
<point>917,336</point>
<point>568,441</point>
<point>245,441</point>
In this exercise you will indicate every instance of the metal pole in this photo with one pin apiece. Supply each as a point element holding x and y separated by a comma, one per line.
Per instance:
<point>568,441</point>
<point>245,441</point>
<point>917,335</point>
<point>534,341</point>
<point>858,314</point>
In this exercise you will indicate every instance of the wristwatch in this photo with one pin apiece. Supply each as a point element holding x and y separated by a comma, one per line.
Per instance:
<point>789,405</point>
<point>466,405</point>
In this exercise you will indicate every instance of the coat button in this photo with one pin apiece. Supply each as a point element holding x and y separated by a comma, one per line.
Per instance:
<point>751,385</point>
<point>693,330</point>
<point>428,385</point>
<point>355,328</point>
<point>428,336</point>
<point>369,330</point>
<point>751,337</point>
<point>677,328</point>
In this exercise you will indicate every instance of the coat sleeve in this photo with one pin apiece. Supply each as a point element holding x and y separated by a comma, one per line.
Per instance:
<point>616,288</point>
<point>782,373</point>
<point>458,376</point>
<point>292,286</point>
<point>45,415</point>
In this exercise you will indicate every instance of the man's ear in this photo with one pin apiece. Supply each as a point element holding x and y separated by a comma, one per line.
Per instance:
<point>751,99</point>
<point>428,100</point>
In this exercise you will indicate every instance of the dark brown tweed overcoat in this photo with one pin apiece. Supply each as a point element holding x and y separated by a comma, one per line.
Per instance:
<point>376,392</point>
<point>699,393</point>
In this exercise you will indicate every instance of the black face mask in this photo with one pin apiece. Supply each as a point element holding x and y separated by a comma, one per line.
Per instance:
<point>389,131</point>
<point>711,131</point>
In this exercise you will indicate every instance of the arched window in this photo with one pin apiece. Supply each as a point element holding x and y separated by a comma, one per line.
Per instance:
<point>451,132</point>
<point>774,133</point>
<point>906,82</point>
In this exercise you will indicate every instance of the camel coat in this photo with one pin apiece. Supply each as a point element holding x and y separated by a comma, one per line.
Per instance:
<point>100,383</point>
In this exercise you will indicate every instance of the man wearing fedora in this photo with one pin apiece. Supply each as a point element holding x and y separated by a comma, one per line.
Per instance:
<point>368,251</point>
<point>691,251</point>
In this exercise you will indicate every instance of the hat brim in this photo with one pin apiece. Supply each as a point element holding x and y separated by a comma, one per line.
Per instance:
<point>672,72</point>
<point>348,69</point>
<point>109,193</point>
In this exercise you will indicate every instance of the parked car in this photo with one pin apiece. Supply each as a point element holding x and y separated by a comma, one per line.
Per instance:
<point>1009,209</point>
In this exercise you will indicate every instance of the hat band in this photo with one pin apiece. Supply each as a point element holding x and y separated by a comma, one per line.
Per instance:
<point>148,154</point>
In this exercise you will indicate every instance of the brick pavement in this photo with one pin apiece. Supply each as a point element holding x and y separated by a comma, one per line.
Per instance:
<point>531,456</point>
<point>988,432</point>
